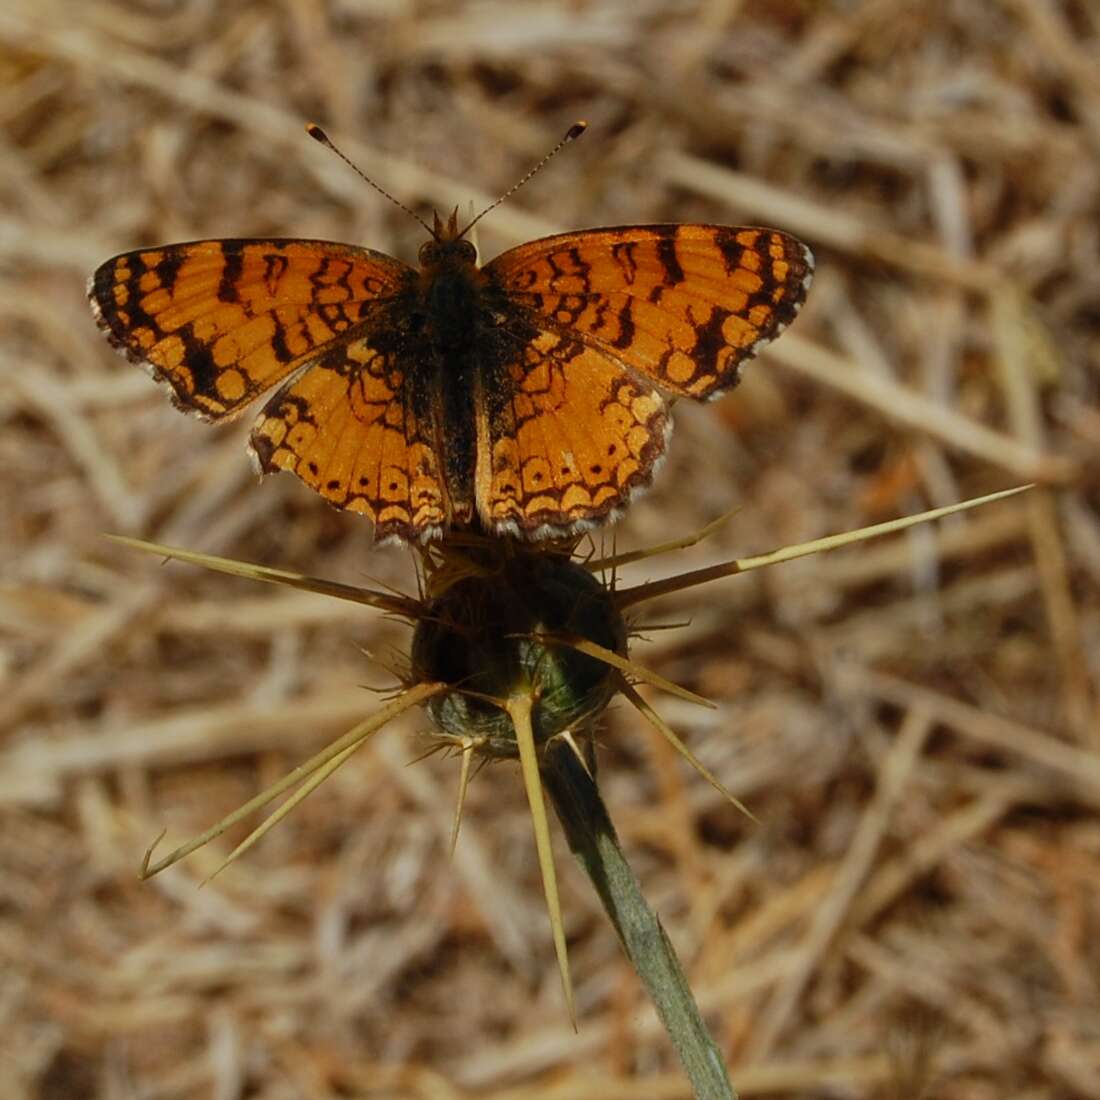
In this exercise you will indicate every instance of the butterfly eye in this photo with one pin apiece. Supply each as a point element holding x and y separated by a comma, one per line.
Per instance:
<point>429,252</point>
<point>465,251</point>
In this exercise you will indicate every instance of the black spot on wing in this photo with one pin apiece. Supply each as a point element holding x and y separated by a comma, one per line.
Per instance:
<point>622,252</point>
<point>666,255</point>
<point>200,362</point>
<point>274,268</point>
<point>231,273</point>
<point>168,269</point>
<point>625,316</point>
<point>731,251</point>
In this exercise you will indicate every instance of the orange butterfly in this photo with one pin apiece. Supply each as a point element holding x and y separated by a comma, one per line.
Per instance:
<point>528,397</point>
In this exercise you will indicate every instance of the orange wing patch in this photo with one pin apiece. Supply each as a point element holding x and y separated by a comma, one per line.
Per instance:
<point>565,440</point>
<point>221,321</point>
<point>352,427</point>
<point>685,305</point>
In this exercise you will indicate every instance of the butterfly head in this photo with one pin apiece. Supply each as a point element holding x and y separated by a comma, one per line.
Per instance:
<point>447,246</point>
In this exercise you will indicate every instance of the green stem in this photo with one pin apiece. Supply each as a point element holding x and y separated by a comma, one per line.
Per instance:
<point>593,841</point>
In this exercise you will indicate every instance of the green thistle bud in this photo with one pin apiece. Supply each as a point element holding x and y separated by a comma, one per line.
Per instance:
<point>487,635</point>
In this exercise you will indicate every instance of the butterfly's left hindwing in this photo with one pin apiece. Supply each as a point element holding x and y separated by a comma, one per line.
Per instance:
<point>356,426</point>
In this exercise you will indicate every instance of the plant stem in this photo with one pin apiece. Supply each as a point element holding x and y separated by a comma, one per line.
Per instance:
<point>592,840</point>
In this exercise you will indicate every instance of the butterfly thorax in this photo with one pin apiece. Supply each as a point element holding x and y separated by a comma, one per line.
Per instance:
<point>450,290</point>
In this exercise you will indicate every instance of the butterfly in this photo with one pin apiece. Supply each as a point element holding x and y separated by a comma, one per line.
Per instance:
<point>528,397</point>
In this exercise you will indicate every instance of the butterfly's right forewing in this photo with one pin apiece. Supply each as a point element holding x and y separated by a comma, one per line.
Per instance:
<point>682,305</point>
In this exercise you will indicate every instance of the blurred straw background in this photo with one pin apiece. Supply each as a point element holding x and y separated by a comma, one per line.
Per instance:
<point>914,722</point>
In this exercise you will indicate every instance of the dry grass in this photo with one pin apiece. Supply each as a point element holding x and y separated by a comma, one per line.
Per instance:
<point>914,722</point>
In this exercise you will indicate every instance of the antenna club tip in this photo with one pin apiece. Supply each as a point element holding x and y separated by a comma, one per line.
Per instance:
<point>576,130</point>
<point>317,133</point>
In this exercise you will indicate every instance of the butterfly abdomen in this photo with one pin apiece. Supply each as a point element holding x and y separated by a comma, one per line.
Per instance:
<point>453,317</point>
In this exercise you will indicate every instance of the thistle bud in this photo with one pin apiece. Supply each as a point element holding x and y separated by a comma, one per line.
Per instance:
<point>491,636</point>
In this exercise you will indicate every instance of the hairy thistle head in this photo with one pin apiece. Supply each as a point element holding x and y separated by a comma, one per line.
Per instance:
<point>495,631</point>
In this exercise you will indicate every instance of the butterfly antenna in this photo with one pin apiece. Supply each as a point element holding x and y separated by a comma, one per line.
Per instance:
<point>319,135</point>
<point>571,134</point>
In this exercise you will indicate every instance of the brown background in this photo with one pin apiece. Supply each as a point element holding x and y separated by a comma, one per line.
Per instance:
<point>914,721</point>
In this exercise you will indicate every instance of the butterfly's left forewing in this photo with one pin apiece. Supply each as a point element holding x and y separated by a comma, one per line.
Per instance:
<point>682,305</point>
<point>219,322</point>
